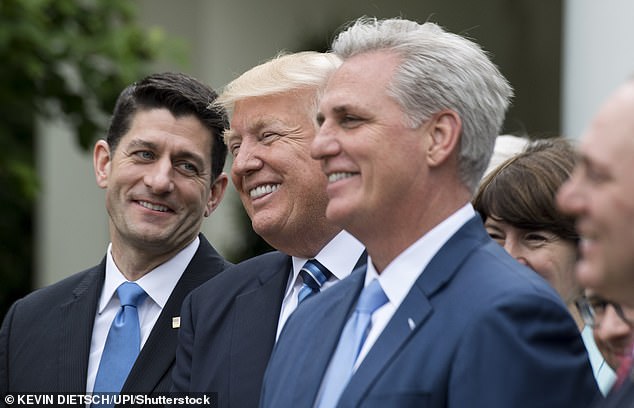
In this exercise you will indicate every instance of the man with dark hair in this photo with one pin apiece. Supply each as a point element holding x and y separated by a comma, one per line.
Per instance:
<point>113,327</point>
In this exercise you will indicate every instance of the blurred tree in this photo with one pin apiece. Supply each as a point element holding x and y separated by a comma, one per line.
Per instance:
<point>64,59</point>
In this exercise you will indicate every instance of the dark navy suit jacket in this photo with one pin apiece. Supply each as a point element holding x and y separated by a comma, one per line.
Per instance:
<point>228,330</point>
<point>477,330</point>
<point>45,337</point>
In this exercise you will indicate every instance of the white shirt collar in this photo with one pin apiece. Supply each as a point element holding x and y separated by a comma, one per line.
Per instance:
<point>399,276</point>
<point>158,283</point>
<point>340,256</point>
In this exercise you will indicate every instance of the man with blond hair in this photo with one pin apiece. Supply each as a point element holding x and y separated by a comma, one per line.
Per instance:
<point>229,326</point>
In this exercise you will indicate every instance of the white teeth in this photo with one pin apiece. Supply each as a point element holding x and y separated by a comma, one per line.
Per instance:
<point>259,191</point>
<point>154,207</point>
<point>338,176</point>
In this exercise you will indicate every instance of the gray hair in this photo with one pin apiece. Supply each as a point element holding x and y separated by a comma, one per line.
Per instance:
<point>438,70</point>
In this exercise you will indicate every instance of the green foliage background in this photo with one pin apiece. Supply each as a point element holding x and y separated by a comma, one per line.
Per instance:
<point>59,59</point>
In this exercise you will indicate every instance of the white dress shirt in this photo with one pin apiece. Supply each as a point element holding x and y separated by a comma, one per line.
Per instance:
<point>604,375</point>
<point>400,275</point>
<point>340,256</point>
<point>158,284</point>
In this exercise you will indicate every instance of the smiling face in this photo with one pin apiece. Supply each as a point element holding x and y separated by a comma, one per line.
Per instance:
<point>389,182</point>
<point>549,255</point>
<point>600,194</point>
<point>282,188</point>
<point>158,183</point>
<point>613,335</point>
<point>375,163</point>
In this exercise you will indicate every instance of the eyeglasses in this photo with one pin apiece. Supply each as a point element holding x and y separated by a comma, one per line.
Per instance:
<point>592,310</point>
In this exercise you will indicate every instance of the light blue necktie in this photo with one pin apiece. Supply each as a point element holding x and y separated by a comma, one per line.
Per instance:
<point>314,275</point>
<point>350,343</point>
<point>123,342</point>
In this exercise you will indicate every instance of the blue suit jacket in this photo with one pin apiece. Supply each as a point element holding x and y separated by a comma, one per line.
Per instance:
<point>45,337</point>
<point>228,330</point>
<point>487,332</point>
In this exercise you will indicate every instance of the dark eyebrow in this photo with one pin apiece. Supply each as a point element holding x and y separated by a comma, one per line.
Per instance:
<point>338,110</point>
<point>136,143</point>
<point>181,154</point>
<point>341,108</point>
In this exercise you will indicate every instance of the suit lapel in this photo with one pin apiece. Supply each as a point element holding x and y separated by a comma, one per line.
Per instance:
<point>257,311</point>
<point>75,329</point>
<point>158,353</point>
<point>412,313</point>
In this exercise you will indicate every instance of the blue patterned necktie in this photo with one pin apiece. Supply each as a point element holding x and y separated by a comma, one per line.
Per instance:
<point>123,342</point>
<point>314,276</point>
<point>350,343</point>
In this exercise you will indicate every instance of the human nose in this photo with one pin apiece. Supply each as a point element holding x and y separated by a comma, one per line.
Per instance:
<point>160,177</point>
<point>325,143</point>
<point>247,159</point>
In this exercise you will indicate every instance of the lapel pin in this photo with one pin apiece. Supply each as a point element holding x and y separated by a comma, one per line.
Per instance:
<point>411,323</point>
<point>176,322</point>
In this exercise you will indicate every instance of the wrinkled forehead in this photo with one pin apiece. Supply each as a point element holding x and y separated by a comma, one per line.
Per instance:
<point>249,115</point>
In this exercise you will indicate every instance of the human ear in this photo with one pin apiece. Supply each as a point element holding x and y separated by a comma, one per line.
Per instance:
<point>444,130</point>
<point>218,189</point>
<point>101,162</point>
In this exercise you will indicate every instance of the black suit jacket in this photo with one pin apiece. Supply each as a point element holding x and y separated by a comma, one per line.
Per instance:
<point>45,337</point>
<point>228,330</point>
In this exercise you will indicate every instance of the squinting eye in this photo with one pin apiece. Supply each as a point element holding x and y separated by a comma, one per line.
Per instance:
<point>145,154</point>
<point>234,149</point>
<point>269,135</point>
<point>349,121</point>
<point>188,167</point>
<point>494,233</point>
<point>496,236</point>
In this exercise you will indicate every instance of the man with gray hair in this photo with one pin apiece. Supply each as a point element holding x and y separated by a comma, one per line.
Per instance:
<point>442,316</point>
<point>229,327</point>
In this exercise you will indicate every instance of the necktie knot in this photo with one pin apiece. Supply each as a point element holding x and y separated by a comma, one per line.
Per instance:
<point>371,298</point>
<point>130,294</point>
<point>314,275</point>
